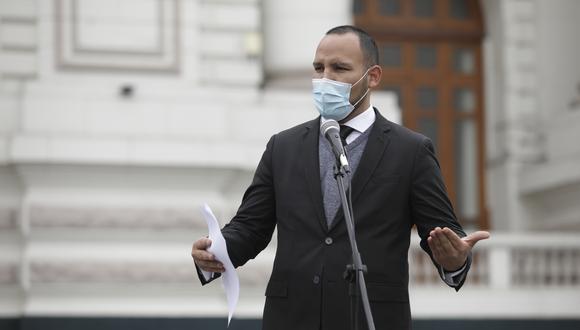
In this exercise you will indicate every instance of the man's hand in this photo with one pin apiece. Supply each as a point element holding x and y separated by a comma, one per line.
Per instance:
<point>449,250</point>
<point>204,259</point>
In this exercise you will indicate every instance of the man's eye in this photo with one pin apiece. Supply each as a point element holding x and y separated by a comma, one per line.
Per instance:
<point>318,69</point>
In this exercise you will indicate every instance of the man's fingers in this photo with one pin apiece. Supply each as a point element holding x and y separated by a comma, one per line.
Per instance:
<point>211,266</point>
<point>435,249</point>
<point>202,243</point>
<point>435,243</point>
<point>198,251</point>
<point>204,259</point>
<point>446,245</point>
<point>475,237</point>
<point>449,250</point>
<point>441,240</point>
<point>454,239</point>
<point>202,255</point>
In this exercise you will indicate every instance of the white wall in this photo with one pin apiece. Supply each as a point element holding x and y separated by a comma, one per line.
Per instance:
<point>80,162</point>
<point>559,54</point>
<point>550,188</point>
<point>292,30</point>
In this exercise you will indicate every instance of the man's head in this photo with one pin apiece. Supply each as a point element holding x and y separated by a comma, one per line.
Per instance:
<point>345,54</point>
<point>368,45</point>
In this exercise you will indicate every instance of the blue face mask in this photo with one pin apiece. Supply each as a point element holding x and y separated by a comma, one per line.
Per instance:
<point>332,98</point>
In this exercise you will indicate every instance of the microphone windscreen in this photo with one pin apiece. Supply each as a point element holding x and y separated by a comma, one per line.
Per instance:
<point>329,125</point>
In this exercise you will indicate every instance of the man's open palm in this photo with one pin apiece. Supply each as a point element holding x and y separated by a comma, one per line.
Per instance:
<point>451,251</point>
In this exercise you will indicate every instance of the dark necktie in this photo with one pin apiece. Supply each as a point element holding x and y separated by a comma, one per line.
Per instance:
<point>344,133</point>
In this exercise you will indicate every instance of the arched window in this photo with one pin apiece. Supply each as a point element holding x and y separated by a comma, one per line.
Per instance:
<point>432,60</point>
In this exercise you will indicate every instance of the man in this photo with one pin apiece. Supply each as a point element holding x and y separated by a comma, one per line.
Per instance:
<point>396,184</point>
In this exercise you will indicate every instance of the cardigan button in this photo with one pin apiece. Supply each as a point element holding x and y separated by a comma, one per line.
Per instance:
<point>328,241</point>
<point>316,279</point>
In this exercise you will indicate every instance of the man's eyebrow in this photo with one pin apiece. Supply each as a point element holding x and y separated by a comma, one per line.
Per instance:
<point>342,64</point>
<point>334,64</point>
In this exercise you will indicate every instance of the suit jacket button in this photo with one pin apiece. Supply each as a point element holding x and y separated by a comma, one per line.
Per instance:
<point>316,279</point>
<point>328,240</point>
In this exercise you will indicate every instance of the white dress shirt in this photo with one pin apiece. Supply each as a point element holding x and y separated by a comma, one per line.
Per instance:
<point>360,123</point>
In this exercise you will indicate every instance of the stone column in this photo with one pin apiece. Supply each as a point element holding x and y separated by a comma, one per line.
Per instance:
<point>513,133</point>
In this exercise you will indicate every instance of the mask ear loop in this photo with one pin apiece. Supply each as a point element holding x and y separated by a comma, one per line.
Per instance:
<point>361,98</point>
<point>365,94</point>
<point>361,78</point>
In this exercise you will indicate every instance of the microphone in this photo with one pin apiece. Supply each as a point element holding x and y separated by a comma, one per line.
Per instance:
<point>331,131</point>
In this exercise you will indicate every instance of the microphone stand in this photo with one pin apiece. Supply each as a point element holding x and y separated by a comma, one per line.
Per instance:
<point>354,273</point>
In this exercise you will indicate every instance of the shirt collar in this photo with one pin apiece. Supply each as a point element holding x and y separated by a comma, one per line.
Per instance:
<point>363,121</point>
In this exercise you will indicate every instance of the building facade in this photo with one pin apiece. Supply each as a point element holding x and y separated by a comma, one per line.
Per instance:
<point>118,119</point>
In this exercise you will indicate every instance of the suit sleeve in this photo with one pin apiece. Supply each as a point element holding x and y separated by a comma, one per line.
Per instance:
<point>431,207</point>
<point>202,278</point>
<point>250,230</point>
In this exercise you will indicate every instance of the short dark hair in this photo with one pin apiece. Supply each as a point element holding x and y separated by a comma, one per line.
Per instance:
<point>368,45</point>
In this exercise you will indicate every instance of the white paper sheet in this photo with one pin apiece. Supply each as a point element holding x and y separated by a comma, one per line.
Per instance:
<point>230,280</point>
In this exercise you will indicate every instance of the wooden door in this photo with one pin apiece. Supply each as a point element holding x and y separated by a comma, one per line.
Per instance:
<point>431,59</point>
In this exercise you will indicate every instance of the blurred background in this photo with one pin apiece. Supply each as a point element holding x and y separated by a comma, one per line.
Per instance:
<point>118,119</point>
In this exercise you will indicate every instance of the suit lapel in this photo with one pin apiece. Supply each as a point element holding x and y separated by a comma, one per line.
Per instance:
<point>377,144</point>
<point>312,169</point>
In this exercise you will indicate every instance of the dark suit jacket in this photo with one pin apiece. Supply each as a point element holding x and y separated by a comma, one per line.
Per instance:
<point>397,185</point>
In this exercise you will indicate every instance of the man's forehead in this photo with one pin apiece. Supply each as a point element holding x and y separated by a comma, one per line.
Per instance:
<point>344,40</point>
<point>339,47</point>
<point>343,37</point>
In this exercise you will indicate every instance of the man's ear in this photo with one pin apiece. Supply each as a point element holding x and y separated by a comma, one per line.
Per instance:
<point>375,74</point>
